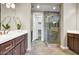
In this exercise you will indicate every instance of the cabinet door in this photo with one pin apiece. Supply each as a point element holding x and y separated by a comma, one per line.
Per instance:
<point>25,39</point>
<point>76,45</point>
<point>23,47</point>
<point>70,42</point>
<point>0,49</point>
<point>5,47</point>
<point>10,53</point>
<point>17,50</point>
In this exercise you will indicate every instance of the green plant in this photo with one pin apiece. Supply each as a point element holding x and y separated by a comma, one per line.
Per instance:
<point>18,26</point>
<point>6,26</point>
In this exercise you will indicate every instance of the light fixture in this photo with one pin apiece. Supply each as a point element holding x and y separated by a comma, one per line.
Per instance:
<point>2,3</point>
<point>12,5</point>
<point>54,7</point>
<point>9,5</point>
<point>38,6</point>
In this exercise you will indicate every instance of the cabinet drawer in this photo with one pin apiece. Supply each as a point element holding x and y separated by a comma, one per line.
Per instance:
<point>70,35</point>
<point>17,40</point>
<point>6,46</point>
<point>77,36</point>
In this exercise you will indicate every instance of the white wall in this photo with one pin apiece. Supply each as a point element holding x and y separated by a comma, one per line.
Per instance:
<point>68,21</point>
<point>23,11</point>
<point>77,22</point>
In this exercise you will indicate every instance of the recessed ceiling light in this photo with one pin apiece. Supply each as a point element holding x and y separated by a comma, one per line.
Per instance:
<point>54,8</point>
<point>38,6</point>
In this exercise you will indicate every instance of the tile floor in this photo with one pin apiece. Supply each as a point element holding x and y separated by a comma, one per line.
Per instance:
<point>40,48</point>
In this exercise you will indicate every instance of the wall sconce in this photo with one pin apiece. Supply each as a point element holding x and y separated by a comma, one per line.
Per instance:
<point>9,5</point>
<point>12,5</point>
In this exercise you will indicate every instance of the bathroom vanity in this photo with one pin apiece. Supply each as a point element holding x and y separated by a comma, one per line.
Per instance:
<point>13,43</point>
<point>73,41</point>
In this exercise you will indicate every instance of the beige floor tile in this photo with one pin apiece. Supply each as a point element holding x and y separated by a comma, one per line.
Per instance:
<point>39,48</point>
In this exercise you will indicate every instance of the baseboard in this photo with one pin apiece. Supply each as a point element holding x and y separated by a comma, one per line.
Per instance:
<point>64,47</point>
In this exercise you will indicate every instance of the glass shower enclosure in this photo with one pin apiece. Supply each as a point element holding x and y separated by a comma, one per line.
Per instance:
<point>51,33</point>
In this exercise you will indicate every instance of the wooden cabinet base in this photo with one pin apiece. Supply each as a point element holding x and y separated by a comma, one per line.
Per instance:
<point>73,42</point>
<point>23,50</point>
<point>15,46</point>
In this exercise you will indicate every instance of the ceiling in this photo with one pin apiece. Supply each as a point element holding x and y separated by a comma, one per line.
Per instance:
<point>46,7</point>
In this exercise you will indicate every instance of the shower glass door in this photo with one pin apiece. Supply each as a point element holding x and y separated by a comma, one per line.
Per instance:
<point>52,29</point>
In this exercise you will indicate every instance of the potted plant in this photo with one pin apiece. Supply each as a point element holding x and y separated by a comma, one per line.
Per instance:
<point>17,23</point>
<point>18,26</point>
<point>6,28</point>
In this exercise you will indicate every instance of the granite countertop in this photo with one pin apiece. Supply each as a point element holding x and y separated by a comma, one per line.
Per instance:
<point>75,32</point>
<point>11,35</point>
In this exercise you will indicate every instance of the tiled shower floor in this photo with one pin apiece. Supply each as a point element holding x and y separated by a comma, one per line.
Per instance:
<point>40,48</point>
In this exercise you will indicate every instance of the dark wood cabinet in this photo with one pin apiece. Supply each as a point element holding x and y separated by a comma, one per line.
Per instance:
<point>23,49</point>
<point>5,47</point>
<point>16,50</point>
<point>16,46</point>
<point>73,42</point>
<point>76,44</point>
<point>0,50</point>
<point>70,41</point>
<point>25,39</point>
<point>10,52</point>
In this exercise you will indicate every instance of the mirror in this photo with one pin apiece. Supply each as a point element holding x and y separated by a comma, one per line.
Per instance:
<point>7,15</point>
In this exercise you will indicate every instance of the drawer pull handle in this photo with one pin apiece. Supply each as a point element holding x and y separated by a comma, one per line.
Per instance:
<point>8,47</point>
